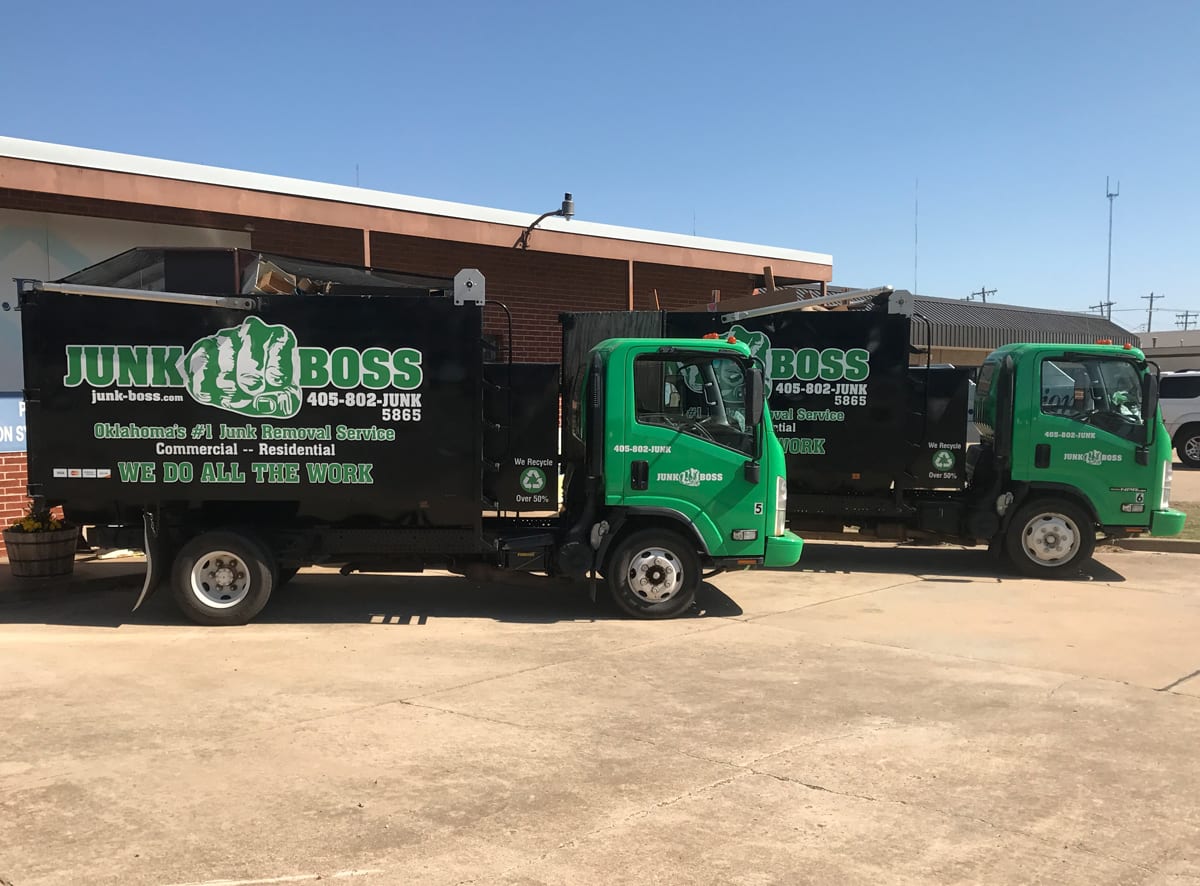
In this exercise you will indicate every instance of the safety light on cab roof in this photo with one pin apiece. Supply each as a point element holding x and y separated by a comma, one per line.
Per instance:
<point>711,335</point>
<point>1128,346</point>
<point>1104,341</point>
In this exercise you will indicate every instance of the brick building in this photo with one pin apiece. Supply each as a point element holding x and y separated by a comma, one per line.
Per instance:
<point>63,208</point>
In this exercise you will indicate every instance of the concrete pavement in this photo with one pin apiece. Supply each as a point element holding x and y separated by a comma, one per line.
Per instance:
<point>892,715</point>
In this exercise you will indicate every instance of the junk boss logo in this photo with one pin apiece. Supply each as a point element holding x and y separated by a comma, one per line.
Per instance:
<point>806,364</point>
<point>255,369</point>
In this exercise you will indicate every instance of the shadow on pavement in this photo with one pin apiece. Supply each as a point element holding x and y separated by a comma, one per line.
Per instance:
<point>946,564</point>
<point>101,595</point>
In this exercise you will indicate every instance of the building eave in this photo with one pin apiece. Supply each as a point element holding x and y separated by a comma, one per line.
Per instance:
<point>88,173</point>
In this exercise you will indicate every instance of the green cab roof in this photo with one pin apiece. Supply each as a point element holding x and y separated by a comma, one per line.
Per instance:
<point>1021,350</point>
<point>686,344</point>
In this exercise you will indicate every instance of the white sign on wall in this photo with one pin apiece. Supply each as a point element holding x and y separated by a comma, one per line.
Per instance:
<point>12,423</point>
<point>45,246</point>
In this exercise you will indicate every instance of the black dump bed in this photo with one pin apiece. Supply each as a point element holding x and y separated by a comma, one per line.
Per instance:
<point>342,396</point>
<point>851,414</point>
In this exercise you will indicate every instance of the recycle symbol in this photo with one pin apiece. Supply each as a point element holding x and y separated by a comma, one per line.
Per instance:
<point>943,460</point>
<point>533,479</point>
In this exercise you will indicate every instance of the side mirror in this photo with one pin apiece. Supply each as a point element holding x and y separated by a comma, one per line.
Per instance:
<point>1150,402</point>
<point>755,397</point>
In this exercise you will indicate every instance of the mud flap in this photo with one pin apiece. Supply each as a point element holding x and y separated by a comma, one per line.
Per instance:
<point>156,557</point>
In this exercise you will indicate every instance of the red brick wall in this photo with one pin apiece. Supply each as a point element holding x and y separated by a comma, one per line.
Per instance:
<point>13,480</point>
<point>685,288</point>
<point>317,242</point>
<point>538,286</point>
<point>34,201</point>
<point>535,285</point>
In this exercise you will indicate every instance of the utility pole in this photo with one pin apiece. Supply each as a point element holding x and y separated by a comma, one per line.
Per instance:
<point>1105,309</point>
<point>983,293</point>
<point>1186,318</point>
<point>1112,195</point>
<point>1150,314</point>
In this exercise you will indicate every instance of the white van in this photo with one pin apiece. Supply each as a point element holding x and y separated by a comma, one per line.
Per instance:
<point>1179,399</point>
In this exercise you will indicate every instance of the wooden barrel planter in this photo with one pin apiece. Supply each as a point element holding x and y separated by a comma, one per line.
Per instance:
<point>41,554</point>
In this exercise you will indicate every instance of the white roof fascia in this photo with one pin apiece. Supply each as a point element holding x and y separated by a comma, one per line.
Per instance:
<point>88,158</point>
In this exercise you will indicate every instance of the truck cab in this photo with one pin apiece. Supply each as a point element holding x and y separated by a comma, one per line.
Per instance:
<point>1072,442</point>
<point>678,468</point>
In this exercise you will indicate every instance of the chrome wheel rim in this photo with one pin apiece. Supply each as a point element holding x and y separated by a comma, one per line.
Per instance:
<point>1192,447</point>
<point>220,580</point>
<point>1051,539</point>
<point>655,575</point>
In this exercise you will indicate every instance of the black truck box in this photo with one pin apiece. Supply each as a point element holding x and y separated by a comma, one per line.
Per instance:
<point>360,411</point>
<point>850,413</point>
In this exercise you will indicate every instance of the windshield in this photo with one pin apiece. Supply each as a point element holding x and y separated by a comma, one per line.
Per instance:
<point>700,395</point>
<point>1105,393</point>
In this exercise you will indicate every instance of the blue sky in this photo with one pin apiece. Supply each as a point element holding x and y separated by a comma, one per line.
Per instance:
<point>789,124</point>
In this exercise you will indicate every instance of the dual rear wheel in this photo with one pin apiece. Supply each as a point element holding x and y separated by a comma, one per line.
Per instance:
<point>224,578</point>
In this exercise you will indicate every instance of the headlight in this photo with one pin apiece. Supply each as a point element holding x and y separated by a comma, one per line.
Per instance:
<point>780,505</point>
<point>1166,485</point>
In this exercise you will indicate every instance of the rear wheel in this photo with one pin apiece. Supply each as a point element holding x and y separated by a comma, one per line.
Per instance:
<point>654,574</point>
<point>1050,538</point>
<point>1187,444</point>
<point>223,578</point>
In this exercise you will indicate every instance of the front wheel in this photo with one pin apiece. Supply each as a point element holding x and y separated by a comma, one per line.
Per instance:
<point>654,574</point>
<point>1050,538</point>
<point>223,578</point>
<point>1187,444</point>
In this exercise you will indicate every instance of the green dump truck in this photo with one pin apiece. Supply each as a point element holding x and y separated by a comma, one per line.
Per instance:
<point>1066,444</point>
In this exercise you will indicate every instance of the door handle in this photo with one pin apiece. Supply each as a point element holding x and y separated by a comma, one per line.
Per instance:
<point>639,475</point>
<point>1041,455</point>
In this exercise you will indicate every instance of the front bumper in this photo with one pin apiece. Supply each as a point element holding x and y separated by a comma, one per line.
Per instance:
<point>1163,523</point>
<point>784,550</point>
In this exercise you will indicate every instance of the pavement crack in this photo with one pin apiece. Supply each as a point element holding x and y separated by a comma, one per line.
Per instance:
<point>410,699</point>
<point>753,618</point>
<point>962,816</point>
<point>1183,679</point>
<point>614,825</point>
<point>817,787</point>
<point>1051,693</point>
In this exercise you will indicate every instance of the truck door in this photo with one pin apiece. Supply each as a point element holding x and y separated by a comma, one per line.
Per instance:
<point>686,445</point>
<point>1086,433</point>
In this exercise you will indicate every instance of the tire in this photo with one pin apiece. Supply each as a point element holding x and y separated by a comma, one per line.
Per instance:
<point>1187,445</point>
<point>223,578</point>
<point>1050,538</point>
<point>641,558</point>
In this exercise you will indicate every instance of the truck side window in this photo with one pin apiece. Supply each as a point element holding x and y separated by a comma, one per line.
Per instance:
<point>984,385</point>
<point>575,407</point>
<point>1105,393</point>
<point>702,396</point>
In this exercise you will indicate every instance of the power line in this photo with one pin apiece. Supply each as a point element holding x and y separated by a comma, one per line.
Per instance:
<point>1150,313</point>
<point>1185,319</point>
<point>983,294</point>
<point>1105,309</point>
